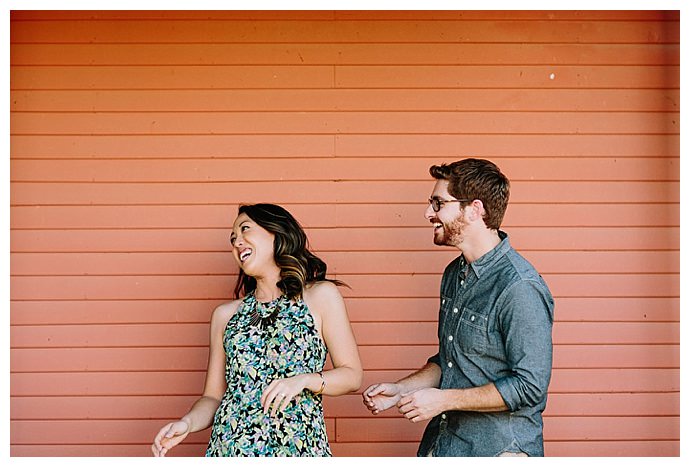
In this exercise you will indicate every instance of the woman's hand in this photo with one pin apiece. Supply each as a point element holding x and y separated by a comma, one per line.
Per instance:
<point>168,437</point>
<point>380,397</point>
<point>280,392</point>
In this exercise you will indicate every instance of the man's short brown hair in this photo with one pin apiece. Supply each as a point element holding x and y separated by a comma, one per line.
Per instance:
<point>477,179</point>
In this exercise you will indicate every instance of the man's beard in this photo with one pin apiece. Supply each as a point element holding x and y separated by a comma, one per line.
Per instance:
<point>451,234</point>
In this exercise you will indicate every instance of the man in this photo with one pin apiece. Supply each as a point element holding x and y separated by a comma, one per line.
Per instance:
<point>485,389</point>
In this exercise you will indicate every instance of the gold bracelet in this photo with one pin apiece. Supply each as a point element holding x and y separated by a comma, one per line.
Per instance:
<point>323,384</point>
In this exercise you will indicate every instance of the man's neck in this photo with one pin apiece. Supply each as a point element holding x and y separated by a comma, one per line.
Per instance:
<point>483,243</point>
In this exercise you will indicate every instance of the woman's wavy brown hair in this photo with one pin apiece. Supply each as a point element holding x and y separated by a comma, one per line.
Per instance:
<point>298,266</point>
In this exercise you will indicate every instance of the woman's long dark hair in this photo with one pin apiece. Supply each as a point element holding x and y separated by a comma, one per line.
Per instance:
<point>298,266</point>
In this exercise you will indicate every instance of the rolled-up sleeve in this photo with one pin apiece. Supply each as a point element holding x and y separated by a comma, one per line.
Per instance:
<point>525,319</point>
<point>435,359</point>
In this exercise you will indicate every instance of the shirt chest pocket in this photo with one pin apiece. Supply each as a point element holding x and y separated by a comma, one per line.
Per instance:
<point>473,332</point>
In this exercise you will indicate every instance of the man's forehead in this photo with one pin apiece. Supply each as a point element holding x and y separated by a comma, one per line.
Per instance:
<point>440,188</point>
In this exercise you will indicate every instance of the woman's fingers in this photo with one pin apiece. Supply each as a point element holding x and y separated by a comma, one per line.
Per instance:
<point>267,399</point>
<point>172,432</point>
<point>274,400</point>
<point>265,395</point>
<point>285,403</point>
<point>280,392</point>
<point>280,401</point>
<point>157,446</point>
<point>168,437</point>
<point>159,436</point>
<point>372,391</point>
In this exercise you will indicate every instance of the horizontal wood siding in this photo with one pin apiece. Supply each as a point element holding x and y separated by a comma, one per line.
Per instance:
<point>135,135</point>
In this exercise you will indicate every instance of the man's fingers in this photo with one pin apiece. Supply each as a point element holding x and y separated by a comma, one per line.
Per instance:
<point>407,407</point>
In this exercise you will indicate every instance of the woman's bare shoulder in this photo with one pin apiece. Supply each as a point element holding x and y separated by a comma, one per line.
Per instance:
<point>224,312</point>
<point>321,290</point>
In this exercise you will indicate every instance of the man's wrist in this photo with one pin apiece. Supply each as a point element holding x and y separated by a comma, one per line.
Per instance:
<point>452,399</point>
<point>399,387</point>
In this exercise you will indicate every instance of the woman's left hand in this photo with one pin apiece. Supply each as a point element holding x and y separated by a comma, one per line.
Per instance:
<point>281,391</point>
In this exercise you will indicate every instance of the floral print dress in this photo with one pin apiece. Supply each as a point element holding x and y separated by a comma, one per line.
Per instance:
<point>264,342</point>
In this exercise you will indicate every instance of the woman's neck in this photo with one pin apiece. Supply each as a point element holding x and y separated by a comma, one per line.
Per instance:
<point>266,289</point>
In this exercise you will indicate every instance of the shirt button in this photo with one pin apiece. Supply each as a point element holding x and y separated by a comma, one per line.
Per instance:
<point>472,318</point>
<point>450,364</point>
<point>443,302</point>
<point>462,282</point>
<point>455,310</point>
<point>450,338</point>
<point>443,416</point>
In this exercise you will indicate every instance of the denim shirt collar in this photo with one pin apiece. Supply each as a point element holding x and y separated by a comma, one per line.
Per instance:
<point>489,258</point>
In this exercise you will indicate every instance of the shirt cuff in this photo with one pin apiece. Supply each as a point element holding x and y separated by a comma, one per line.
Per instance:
<point>510,396</point>
<point>435,359</point>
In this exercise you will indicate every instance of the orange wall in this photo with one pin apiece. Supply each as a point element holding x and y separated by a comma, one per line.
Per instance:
<point>136,134</point>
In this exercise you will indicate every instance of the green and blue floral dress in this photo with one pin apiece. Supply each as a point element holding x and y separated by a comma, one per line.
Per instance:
<point>264,342</point>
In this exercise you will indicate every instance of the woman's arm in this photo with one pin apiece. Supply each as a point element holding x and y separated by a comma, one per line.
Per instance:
<point>200,416</point>
<point>330,317</point>
<point>326,304</point>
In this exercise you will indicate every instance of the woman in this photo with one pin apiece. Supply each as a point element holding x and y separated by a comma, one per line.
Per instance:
<point>265,373</point>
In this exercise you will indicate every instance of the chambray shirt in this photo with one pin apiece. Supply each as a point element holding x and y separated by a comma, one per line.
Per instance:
<point>494,327</point>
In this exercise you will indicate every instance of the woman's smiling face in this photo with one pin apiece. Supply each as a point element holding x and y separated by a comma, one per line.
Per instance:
<point>252,246</point>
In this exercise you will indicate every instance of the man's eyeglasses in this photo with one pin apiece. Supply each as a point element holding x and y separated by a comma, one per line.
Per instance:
<point>437,204</point>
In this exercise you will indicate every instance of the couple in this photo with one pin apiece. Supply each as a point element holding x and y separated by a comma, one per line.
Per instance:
<point>484,391</point>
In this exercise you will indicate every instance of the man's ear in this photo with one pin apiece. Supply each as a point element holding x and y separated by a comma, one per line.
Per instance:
<point>477,211</point>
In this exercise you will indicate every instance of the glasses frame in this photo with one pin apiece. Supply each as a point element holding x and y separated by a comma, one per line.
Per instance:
<point>437,203</point>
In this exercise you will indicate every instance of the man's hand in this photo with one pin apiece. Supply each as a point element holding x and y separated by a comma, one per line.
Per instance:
<point>423,404</point>
<point>380,397</point>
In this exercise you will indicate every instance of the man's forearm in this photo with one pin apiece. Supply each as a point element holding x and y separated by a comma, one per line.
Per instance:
<point>428,377</point>
<point>480,399</point>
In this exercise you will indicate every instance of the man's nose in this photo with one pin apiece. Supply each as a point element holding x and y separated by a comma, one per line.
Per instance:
<point>429,213</point>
